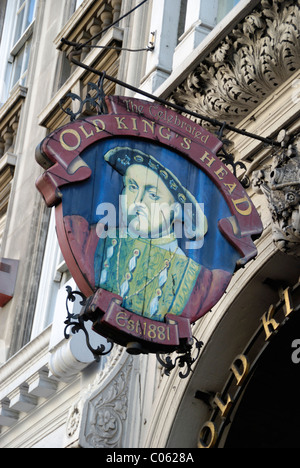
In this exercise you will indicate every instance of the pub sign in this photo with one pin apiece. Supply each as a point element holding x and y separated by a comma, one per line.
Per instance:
<point>151,223</point>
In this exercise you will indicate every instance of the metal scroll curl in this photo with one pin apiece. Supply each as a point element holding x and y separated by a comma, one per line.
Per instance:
<point>184,360</point>
<point>77,322</point>
<point>97,101</point>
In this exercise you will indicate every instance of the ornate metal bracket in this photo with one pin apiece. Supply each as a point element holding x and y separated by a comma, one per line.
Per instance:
<point>77,322</point>
<point>228,158</point>
<point>97,101</point>
<point>185,359</point>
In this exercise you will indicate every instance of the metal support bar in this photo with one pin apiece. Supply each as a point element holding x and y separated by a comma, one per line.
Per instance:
<point>214,122</point>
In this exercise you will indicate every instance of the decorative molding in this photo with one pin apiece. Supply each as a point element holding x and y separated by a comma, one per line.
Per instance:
<point>258,55</point>
<point>87,21</point>
<point>105,408</point>
<point>280,183</point>
<point>52,116</point>
<point>25,382</point>
<point>107,412</point>
<point>9,120</point>
<point>26,397</point>
<point>98,419</point>
<point>74,419</point>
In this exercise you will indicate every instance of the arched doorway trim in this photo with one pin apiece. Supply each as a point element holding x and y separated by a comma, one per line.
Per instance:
<point>213,431</point>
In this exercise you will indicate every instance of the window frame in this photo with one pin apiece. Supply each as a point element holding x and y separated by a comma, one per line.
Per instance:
<point>78,3</point>
<point>15,69</point>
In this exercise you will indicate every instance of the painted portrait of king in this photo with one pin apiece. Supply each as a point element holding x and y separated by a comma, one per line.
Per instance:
<point>151,256</point>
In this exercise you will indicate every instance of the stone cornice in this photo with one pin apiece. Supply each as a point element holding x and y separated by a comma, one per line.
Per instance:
<point>259,54</point>
<point>35,355</point>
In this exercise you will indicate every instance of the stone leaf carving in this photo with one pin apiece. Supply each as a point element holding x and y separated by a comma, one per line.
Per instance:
<point>106,408</point>
<point>107,413</point>
<point>281,185</point>
<point>258,55</point>
<point>97,420</point>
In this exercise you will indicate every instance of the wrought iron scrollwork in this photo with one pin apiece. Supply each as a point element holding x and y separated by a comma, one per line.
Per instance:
<point>184,360</point>
<point>77,322</point>
<point>96,101</point>
<point>228,158</point>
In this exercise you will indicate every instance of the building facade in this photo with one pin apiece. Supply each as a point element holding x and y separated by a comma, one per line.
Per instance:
<point>233,61</point>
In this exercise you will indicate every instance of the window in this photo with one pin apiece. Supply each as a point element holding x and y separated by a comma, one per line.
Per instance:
<point>53,278</point>
<point>25,14</point>
<point>182,16</point>
<point>16,43</point>
<point>20,65</point>
<point>224,7</point>
<point>19,56</point>
<point>2,15</point>
<point>78,3</point>
<point>196,20</point>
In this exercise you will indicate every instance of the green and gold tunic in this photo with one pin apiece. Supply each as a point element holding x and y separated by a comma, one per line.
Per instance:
<point>154,277</point>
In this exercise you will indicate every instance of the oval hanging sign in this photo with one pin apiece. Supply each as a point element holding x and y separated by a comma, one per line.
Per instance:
<point>152,225</point>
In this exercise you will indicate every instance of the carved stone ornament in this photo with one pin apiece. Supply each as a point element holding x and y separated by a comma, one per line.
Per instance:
<point>259,54</point>
<point>280,183</point>
<point>73,420</point>
<point>97,420</point>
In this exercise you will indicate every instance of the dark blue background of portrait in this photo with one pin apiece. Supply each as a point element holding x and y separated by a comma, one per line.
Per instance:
<point>105,186</point>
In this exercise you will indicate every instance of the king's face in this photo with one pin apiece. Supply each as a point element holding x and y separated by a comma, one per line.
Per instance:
<point>149,204</point>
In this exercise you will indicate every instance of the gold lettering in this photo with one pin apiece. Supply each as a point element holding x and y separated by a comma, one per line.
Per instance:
<point>86,134</point>
<point>288,302</point>
<point>130,325</point>
<point>65,145</point>
<point>269,323</point>
<point>231,187</point>
<point>151,332</point>
<point>208,435</point>
<point>150,125</point>
<point>127,102</point>
<point>204,139</point>
<point>96,122</point>
<point>224,407</point>
<point>166,136</point>
<point>247,210</point>
<point>121,316</point>
<point>134,127</point>
<point>221,173</point>
<point>152,113</point>
<point>138,328</point>
<point>240,374</point>
<point>121,124</point>
<point>210,160</point>
<point>187,142</point>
